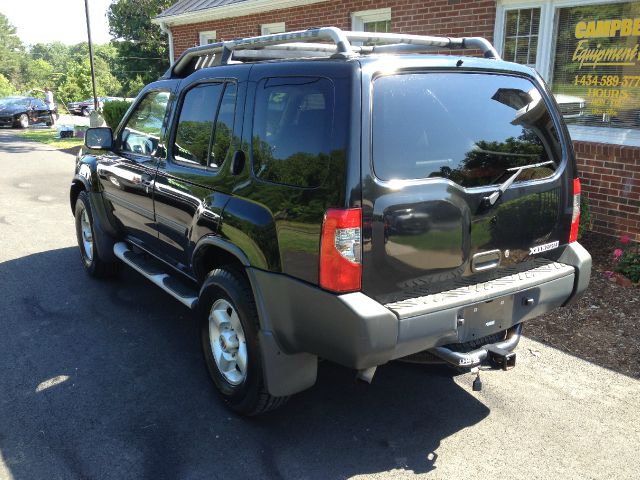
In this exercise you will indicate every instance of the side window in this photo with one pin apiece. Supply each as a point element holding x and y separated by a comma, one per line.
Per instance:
<point>224,126</point>
<point>141,134</point>
<point>195,125</point>
<point>292,126</point>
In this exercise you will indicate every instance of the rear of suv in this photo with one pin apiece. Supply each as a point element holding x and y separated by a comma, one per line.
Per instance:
<point>355,203</point>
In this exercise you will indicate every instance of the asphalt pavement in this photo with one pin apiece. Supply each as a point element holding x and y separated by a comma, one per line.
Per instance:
<point>104,379</point>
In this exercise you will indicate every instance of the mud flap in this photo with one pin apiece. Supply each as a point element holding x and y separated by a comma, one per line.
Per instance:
<point>285,374</point>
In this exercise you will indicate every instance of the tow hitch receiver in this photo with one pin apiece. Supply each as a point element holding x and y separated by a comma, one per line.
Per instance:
<point>500,354</point>
<point>501,358</point>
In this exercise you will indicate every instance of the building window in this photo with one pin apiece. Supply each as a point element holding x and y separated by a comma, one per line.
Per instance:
<point>378,21</point>
<point>521,35</point>
<point>207,37</point>
<point>596,64</point>
<point>270,28</point>
<point>589,53</point>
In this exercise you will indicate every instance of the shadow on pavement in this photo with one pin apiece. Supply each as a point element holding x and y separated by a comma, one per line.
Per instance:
<point>105,380</point>
<point>12,142</point>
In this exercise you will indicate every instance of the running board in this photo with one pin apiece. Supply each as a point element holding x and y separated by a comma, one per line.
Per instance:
<point>154,271</point>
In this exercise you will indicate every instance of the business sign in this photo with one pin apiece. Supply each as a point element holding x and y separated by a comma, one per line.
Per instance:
<point>596,73</point>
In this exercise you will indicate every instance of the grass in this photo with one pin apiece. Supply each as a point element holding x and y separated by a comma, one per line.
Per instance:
<point>299,237</point>
<point>50,137</point>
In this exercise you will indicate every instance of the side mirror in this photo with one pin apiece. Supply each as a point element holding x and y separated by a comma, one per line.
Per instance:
<point>99,138</point>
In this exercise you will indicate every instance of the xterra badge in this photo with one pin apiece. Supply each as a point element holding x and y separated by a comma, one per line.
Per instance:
<point>543,248</point>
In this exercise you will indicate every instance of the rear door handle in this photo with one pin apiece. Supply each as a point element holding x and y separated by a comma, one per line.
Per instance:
<point>483,261</point>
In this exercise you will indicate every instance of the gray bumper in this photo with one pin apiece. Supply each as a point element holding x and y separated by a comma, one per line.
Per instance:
<point>358,332</point>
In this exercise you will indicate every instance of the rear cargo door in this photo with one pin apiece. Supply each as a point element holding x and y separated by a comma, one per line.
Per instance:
<point>464,176</point>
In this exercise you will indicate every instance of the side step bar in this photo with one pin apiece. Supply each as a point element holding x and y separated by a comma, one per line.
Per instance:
<point>499,352</point>
<point>156,274</point>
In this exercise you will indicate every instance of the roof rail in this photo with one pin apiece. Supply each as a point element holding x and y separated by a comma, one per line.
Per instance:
<point>304,43</point>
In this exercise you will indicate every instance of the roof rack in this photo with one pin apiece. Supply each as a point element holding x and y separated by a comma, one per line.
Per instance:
<point>305,43</point>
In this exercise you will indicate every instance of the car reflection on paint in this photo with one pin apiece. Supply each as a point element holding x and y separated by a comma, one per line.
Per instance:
<point>407,221</point>
<point>572,108</point>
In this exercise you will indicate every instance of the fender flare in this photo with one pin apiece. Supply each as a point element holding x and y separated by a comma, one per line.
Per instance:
<point>74,190</point>
<point>220,242</point>
<point>105,233</point>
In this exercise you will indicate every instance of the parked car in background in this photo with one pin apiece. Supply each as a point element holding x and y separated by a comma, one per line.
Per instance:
<point>85,107</point>
<point>17,111</point>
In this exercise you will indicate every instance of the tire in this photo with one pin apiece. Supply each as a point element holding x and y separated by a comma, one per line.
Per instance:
<point>229,318</point>
<point>23,120</point>
<point>93,264</point>
<point>84,112</point>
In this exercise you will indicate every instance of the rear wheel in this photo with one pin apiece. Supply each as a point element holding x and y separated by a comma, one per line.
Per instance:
<point>229,328</point>
<point>86,235</point>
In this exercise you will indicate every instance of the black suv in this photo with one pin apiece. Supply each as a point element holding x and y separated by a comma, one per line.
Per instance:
<point>312,198</point>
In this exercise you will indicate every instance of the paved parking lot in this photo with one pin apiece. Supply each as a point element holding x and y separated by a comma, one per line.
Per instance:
<point>105,380</point>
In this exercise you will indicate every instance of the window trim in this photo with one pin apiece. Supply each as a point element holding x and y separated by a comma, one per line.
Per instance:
<point>176,122</point>
<point>270,28</point>
<point>358,19</point>
<point>546,43</point>
<point>204,36</point>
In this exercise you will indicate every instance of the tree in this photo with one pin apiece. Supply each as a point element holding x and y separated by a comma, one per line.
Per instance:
<point>34,74</point>
<point>76,83</point>
<point>11,50</point>
<point>5,87</point>
<point>141,46</point>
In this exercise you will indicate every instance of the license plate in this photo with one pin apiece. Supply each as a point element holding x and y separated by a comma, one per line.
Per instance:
<point>486,318</point>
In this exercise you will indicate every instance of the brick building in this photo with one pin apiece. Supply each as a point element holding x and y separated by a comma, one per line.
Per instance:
<point>587,50</point>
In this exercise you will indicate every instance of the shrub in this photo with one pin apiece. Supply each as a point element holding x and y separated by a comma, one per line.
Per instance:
<point>585,216</point>
<point>114,111</point>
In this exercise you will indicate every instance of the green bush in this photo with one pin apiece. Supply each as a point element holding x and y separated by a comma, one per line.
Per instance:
<point>114,111</point>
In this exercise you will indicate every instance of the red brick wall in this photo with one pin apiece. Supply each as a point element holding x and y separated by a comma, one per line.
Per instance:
<point>611,181</point>
<point>429,17</point>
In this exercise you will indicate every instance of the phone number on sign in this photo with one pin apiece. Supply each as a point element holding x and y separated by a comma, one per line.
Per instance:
<point>607,80</point>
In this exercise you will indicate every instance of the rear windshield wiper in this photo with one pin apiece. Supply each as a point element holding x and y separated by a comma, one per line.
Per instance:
<point>490,200</point>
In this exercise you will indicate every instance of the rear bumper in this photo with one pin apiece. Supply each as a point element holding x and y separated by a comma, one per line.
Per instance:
<point>356,331</point>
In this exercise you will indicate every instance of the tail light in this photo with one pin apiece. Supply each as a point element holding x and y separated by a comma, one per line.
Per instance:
<point>575,219</point>
<point>340,257</point>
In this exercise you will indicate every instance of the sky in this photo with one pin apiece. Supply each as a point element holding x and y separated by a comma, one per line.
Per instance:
<point>44,21</point>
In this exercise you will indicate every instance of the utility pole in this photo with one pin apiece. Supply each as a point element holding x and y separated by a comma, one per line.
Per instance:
<point>93,73</point>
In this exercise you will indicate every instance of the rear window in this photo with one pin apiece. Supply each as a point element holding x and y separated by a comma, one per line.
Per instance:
<point>473,129</point>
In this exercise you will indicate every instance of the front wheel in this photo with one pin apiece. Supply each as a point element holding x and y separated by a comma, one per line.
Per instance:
<point>229,329</point>
<point>85,112</point>
<point>92,262</point>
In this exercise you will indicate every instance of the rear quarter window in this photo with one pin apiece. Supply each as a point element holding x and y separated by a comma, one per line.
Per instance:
<point>469,128</point>
<point>292,130</point>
